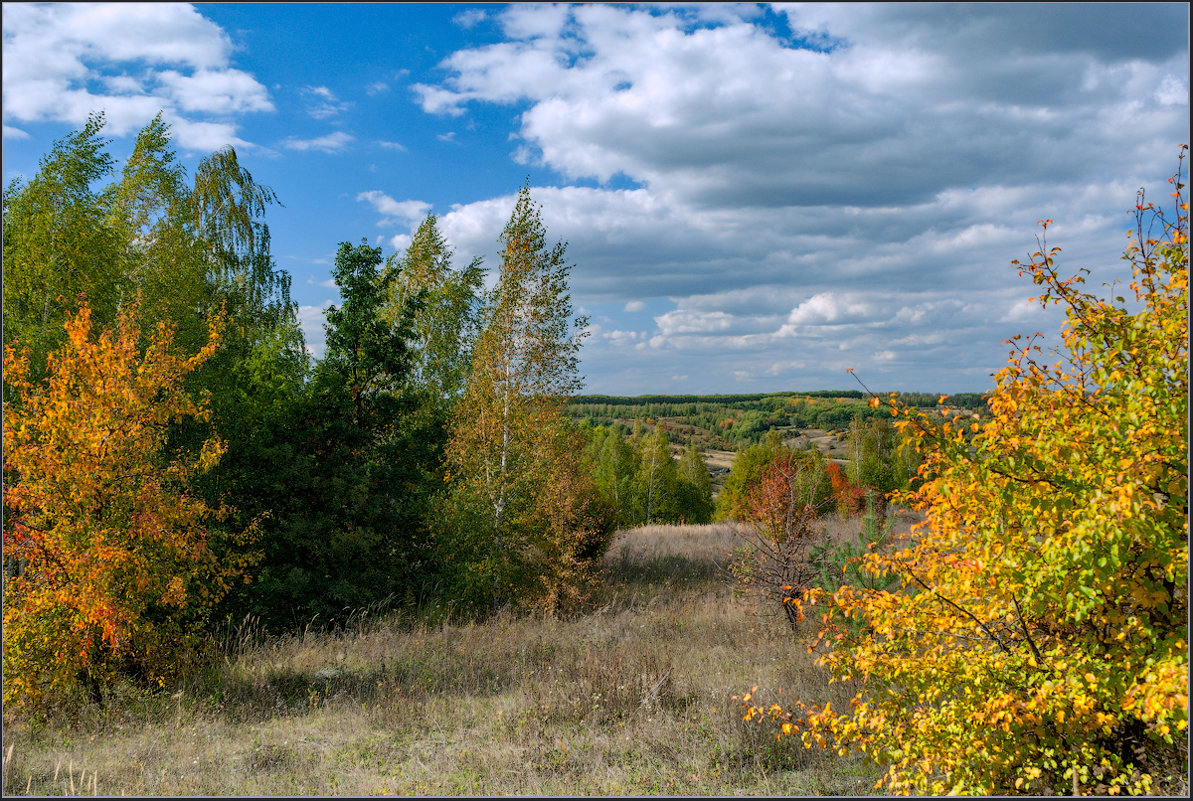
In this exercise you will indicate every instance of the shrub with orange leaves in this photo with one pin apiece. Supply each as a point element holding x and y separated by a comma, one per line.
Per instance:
<point>1039,641</point>
<point>785,504</point>
<point>107,565</point>
<point>851,500</point>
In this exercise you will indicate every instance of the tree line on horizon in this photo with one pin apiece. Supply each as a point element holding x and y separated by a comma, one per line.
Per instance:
<point>736,422</point>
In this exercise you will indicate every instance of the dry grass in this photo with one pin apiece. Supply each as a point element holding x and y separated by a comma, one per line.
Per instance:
<point>632,698</point>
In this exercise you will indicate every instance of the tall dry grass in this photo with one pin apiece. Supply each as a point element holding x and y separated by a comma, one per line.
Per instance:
<point>631,698</point>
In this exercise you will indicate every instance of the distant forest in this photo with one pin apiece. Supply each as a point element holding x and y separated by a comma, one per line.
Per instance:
<point>733,422</point>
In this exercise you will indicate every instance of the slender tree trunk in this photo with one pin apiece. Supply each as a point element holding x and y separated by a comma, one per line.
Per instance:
<point>91,686</point>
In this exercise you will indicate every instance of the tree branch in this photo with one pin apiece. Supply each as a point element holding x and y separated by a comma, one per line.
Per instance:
<point>963,611</point>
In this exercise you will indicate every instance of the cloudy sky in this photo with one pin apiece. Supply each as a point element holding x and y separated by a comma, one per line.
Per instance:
<point>755,197</point>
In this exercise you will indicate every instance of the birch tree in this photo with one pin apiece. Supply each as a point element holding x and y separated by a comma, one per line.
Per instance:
<point>510,530</point>
<point>443,305</point>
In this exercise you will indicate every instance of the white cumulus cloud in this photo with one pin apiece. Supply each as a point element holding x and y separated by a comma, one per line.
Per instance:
<point>847,192</point>
<point>65,61</point>
<point>331,143</point>
<point>395,212</point>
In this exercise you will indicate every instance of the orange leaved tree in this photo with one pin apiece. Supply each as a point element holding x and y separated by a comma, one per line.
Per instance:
<point>1039,640</point>
<point>107,563</point>
<point>781,532</point>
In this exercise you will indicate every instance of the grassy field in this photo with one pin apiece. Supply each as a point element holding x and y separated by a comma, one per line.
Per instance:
<point>631,698</point>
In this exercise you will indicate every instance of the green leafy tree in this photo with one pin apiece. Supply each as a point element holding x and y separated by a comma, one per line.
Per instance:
<point>695,487</point>
<point>443,306</point>
<point>59,243</point>
<point>613,464</point>
<point>518,525</point>
<point>162,257</point>
<point>186,249</point>
<point>877,459</point>
<point>367,358</point>
<point>654,490</point>
<point>345,527</point>
<point>226,208</point>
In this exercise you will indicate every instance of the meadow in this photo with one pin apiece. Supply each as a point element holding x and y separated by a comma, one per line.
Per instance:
<point>631,696</point>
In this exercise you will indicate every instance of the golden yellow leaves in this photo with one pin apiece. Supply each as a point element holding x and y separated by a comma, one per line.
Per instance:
<point>102,531</point>
<point>1044,613</point>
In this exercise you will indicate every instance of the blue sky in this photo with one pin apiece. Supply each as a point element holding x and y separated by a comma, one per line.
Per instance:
<point>755,197</point>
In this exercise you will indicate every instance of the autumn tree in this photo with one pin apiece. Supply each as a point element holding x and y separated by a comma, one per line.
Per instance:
<point>187,244</point>
<point>107,564</point>
<point>518,522</point>
<point>748,465</point>
<point>850,498</point>
<point>785,505</point>
<point>1039,640</point>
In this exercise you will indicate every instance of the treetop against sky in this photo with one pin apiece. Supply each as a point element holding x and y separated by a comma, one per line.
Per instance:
<point>754,197</point>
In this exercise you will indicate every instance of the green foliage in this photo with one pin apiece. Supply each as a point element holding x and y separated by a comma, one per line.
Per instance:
<point>841,563</point>
<point>350,469</point>
<point>612,462</point>
<point>640,480</point>
<point>443,307</point>
<point>521,523</point>
<point>752,464</point>
<point>748,466</point>
<point>642,400</point>
<point>733,502</point>
<point>878,459</point>
<point>366,358</point>
<point>731,421</point>
<point>185,249</point>
<point>654,492</point>
<point>695,488</point>
<point>59,243</point>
